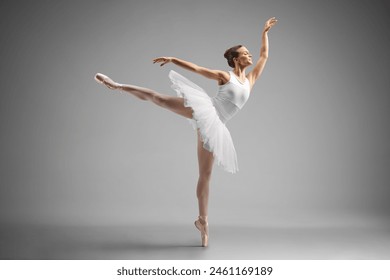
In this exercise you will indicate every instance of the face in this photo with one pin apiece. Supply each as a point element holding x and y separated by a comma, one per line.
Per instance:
<point>244,57</point>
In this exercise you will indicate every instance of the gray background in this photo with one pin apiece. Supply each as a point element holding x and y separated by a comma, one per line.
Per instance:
<point>312,141</point>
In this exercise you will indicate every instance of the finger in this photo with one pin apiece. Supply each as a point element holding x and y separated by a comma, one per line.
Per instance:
<point>272,23</point>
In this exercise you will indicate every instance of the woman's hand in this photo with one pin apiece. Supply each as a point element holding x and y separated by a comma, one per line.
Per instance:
<point>269,23</point>
<point>163,60</point>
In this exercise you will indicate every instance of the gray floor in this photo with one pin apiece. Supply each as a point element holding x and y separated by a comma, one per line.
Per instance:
<point>182,242</point>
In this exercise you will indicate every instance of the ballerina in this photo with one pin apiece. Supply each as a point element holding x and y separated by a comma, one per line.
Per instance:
<point>207,115</point>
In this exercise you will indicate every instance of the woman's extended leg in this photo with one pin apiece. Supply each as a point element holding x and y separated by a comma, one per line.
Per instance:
<point>174,104</point>
<point>205,160</point>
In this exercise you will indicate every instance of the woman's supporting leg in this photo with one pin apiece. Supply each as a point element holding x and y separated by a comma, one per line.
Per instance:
<point>174,104</point>
<point>205,160</point>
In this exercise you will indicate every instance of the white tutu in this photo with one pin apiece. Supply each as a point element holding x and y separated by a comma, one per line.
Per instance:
<point>215,136</point>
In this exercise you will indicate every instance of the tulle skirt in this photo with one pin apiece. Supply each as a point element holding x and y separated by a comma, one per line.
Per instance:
<point>215,136</point>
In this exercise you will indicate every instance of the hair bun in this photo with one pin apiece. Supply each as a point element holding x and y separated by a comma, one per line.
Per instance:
<point>230,54</point>
<point>227,54</point>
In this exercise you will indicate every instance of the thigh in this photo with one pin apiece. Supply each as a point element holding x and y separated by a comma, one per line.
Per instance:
<point>176,105</point>
<point>205,158</point>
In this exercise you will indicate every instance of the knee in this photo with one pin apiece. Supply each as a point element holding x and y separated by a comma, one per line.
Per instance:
<point>205,176</point>
<point>160,100</point>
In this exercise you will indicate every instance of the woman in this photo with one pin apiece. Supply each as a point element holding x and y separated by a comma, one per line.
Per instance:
<point>208,115</point>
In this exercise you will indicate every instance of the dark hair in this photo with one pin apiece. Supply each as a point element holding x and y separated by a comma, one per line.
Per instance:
<point>231,53</point>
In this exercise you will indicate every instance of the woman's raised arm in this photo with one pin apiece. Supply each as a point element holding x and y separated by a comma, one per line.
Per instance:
<point>221,76</point>
<point>256,72</point>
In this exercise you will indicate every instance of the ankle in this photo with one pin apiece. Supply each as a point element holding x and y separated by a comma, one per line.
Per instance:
<point>203,219</point>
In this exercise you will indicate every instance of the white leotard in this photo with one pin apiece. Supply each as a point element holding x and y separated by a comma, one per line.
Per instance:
<point>231,97</point>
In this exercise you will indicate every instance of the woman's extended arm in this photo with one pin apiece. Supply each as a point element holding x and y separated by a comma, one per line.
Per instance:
<point>256,72</point>
<point>221,76</point>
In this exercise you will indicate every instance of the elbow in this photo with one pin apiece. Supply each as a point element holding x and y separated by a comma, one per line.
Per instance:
<point>264,56</point>
<point>196,69</point>
<point>264,53</point>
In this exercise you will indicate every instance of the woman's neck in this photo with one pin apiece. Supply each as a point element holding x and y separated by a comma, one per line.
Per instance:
<point>240,73</point>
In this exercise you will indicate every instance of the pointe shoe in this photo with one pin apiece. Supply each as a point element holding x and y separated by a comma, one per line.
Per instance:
<point>204,230</point>
<point>103,79</point>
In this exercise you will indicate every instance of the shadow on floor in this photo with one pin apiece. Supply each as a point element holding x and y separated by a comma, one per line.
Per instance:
<point>182,242</point>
